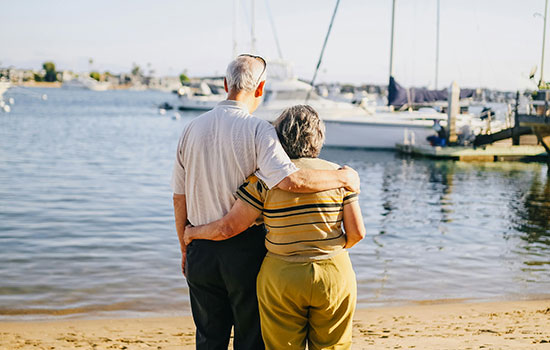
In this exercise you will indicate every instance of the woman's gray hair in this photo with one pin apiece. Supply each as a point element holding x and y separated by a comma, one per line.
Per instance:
<point>300,131</point>
<point>243,74</point>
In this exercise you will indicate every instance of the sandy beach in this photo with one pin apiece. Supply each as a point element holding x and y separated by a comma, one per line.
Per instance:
<point>492,325</point>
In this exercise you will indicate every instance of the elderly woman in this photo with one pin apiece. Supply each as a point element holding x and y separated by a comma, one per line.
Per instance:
<point>306,285</point>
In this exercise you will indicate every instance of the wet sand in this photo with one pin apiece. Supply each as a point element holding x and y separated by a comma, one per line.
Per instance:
<point>494,325</point>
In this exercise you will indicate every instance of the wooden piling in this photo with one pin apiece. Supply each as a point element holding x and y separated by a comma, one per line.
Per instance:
<point>515,129</point>
<point>452,112</point>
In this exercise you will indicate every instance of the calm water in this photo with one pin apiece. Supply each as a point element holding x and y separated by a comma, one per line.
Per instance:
<point>86,225</point>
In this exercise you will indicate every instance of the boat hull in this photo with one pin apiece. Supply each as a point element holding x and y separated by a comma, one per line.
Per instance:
<point>373,135</point>
<point>87,84</point>
<point>198,104</point>
<point>346,128</point>
<point>4,86</point>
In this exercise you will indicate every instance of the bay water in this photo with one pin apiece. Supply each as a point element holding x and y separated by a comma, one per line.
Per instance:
<point>87,229</point>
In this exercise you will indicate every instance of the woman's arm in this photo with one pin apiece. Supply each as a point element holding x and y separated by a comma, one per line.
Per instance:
<point>353,224</point>
<point>239,218</point>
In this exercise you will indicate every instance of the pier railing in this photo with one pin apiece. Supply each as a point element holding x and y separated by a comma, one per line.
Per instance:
<point>537,111</point>
<point>539,121</point>
<point>526,118</point>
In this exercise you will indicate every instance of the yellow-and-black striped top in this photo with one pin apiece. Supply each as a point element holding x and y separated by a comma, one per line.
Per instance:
<point>300,226</point>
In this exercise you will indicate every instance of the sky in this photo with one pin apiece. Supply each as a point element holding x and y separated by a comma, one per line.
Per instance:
<point>483,43</point>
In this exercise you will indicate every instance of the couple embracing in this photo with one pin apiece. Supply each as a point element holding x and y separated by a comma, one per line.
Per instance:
<point>259,219</point>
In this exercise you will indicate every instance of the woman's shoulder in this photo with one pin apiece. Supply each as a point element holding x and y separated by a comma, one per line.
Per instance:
<point>315,163</point>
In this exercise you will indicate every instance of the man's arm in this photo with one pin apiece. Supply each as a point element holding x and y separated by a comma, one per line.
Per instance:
<point>180,214</point>
<point>309,180</point>
<point>239,218</point>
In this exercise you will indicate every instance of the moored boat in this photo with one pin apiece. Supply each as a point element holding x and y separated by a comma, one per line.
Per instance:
<point>4,86</point>
<point>84,82</point>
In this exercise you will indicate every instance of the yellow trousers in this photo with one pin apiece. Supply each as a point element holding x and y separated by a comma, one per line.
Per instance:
<point>307,301</point>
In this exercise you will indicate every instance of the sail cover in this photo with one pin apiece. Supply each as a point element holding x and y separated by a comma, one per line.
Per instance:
<point>399,96</point>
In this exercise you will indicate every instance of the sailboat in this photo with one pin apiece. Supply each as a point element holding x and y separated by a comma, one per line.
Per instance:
<point>349,125</point>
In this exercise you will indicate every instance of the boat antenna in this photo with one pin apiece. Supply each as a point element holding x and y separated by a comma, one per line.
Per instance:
<point>323,50</point>
<point>274,30</point>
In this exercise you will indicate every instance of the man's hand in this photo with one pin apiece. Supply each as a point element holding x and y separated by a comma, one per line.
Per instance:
<point>188,234</point>
<point>353,183</point>
<point>180,216</point>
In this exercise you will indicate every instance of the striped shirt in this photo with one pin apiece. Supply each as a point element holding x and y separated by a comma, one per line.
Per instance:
<point>300,226</point>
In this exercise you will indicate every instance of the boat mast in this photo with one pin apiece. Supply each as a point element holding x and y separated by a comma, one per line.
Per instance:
<point>274,30</point>
<point>391,42</point>
<point>252,28</point>
<point>323,51</point>
<point>235,23</point>
<point>543,42</point>
<point>437,48</point>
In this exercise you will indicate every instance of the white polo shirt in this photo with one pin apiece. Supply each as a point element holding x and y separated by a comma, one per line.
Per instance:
<point>217,152</point>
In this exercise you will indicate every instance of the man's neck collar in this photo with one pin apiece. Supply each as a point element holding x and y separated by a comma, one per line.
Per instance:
<point>235,103</point>
<point>242,97</point>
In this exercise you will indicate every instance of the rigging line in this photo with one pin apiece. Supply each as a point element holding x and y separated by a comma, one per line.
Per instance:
<point>247,20</point>
<point>323,50</point>
<point>274,29</point>
<point>246,16</point>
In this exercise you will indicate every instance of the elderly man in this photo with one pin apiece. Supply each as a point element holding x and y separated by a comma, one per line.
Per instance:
<point>216,153</point>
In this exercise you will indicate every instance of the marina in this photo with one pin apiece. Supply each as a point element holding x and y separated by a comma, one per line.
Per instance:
<point>442,108</point>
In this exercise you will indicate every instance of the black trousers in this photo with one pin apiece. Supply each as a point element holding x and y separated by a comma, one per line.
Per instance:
<point>222,287</point>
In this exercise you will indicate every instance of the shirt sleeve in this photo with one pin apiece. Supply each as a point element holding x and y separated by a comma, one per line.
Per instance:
<point>253,192</point>
<point>178,174</point>
<point>273,162</point>
<point>350,197</point>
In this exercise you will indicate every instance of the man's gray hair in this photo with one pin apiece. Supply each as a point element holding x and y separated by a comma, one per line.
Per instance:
<point>243,74</point>
<point>300,131</point>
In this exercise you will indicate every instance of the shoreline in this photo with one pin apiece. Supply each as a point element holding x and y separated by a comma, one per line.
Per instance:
<point>496,325</point>
<point>121,311</point>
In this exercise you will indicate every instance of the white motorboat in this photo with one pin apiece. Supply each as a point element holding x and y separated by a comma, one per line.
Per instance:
<point>352,125</point>
<point>199,103</point>
<point>85,82</point>
<point>5,106</point>
<point>201,96</point>
<point>347,125</point>
<point>4,86</point>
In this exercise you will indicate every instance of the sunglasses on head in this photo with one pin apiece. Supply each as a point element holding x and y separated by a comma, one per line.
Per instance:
<point>259,58</point>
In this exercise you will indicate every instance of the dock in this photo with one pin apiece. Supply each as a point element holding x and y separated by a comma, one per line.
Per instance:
<point>534,124</point>
<point>489,153</point>
<point>539,121</point>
